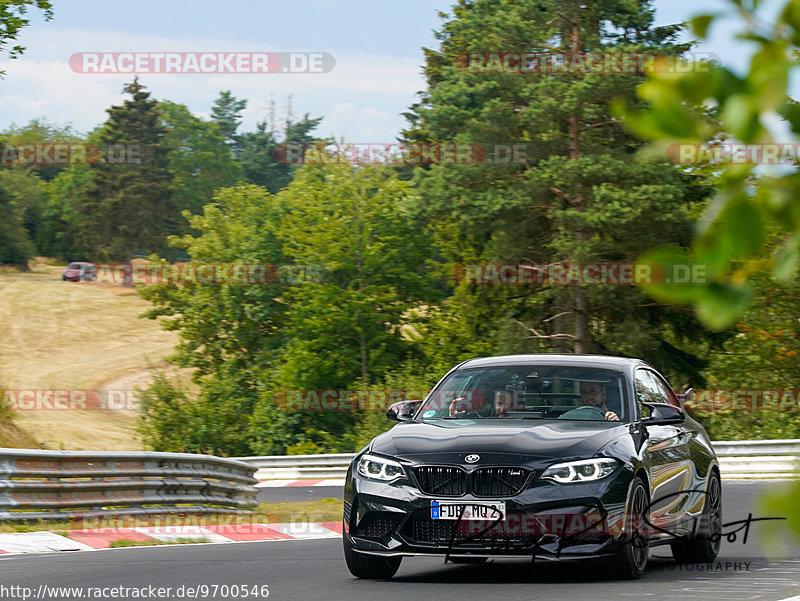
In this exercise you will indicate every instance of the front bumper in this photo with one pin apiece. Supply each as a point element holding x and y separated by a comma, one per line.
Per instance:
<point>544,520</point>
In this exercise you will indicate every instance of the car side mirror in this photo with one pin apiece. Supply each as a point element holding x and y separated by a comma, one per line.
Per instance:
<point>686,397</point>
<point>664,415</point>
<point>402,411</point>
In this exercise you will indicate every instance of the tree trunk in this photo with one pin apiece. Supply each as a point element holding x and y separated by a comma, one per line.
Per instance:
<point>580,303</point>
<point>581,321</point>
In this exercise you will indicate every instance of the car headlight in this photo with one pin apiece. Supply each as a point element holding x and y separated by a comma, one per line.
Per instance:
<point>580,471</point>
<point>378,468</point>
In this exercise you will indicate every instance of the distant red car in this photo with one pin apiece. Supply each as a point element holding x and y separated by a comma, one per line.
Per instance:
<point>79,272</point>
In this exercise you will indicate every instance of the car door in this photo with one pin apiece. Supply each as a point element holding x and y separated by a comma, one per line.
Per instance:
<point>695,460</point>
<point>667,453</point>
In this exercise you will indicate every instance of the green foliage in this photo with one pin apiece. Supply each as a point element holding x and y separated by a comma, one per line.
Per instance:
<point>125,202</point>
<point>199,159</point>
<point>729,237</point>
<point>259,158</point>
<point>784,502</point>
<point>405,383</point>
<point>764,352</point>
<point>227,114</point>
<point>762,355</point>
<point>344,328</point>
<point>213,423</point>
<point>229,333</point>
<point>579,196</point>
<point>230,324</point>
<point>29,196</point>
<point>66,228</point>
<point>250,344</point>
<point>29,186</point>
<point>130,206</point>
<point>352,226</point>
<point>16,247</point>
<point>165,416</point>
<point>41,131</point>
<point>13,19</point>
<point>750,425</point>
<point>748,204</point>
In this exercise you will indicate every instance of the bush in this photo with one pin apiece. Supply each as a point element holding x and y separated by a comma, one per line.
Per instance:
<point>16,247</point>
<point>750,425</point>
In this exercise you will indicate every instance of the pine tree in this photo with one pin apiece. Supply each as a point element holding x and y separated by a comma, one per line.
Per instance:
<point>227,113</point>
<point>130,207</point>
<point>578,195</point>
<point>260,155</point>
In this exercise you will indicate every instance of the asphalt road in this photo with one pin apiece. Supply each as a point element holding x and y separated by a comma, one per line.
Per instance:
<point>314,569</point>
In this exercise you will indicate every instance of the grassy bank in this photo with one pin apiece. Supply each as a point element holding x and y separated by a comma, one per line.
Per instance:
<point>57,335</point>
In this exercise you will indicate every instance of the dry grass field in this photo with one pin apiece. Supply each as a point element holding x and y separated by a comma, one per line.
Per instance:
<point>57,335</point>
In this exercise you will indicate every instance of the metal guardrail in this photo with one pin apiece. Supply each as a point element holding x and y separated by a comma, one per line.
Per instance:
<point>751,448</point>
<point>758,459</point>
<point>282,461</point>
<point>742,459</point>
<point>82,484</point>
<point>300,467</point>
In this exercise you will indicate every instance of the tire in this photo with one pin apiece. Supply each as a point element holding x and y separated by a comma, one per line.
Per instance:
<point>704,547</point>
<point>370,567</point>
<point>630,560</point>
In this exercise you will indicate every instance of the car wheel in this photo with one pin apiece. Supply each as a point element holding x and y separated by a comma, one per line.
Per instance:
<point>634,548</point>
<point>705,546</point>
<point>369,566</point>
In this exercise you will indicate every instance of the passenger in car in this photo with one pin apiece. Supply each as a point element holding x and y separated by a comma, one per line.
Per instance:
<point>505,401</point>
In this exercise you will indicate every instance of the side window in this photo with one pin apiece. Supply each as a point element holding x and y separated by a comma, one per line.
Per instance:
<point>670,397</point>
<point>647,391</point>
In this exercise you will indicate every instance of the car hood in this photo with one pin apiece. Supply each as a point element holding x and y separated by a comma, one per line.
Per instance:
<point>516,441</point>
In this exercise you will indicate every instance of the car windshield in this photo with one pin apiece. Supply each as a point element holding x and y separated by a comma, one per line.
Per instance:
<point>528,392</point>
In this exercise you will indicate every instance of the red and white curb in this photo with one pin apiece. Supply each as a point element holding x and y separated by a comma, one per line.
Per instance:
<point>87,540</point>
<point>324,482</point>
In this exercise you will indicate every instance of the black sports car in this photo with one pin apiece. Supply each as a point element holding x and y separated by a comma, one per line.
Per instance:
<point>541,456</point>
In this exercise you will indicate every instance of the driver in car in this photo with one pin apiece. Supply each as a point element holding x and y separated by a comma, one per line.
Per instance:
<point>593,394</point>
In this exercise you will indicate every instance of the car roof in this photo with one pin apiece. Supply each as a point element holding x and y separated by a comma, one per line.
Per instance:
<point>623,363</point>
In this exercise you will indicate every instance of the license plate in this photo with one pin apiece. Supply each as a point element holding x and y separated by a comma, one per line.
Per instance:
<point>447,510</point>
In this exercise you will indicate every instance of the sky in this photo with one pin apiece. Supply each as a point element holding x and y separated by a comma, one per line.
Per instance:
<point>377,46</point>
